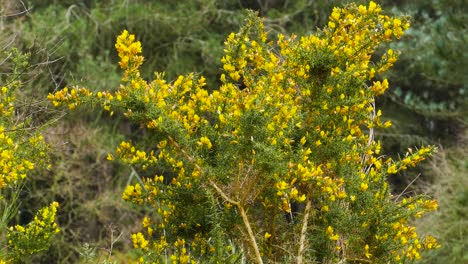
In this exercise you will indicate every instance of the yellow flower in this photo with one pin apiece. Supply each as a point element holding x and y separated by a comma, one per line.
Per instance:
<point>139,241</point>
<point>301,198</point>
<point>204,141</point>
<point>336,13</point>
<point>430,205</point>
<point>364,186</point>
<point>368,255</point>
<point>392,169</point>
<point>146,221</point>
<point>331,234</point>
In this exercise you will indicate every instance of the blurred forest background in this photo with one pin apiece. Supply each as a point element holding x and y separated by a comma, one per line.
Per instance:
<point>72,43</point>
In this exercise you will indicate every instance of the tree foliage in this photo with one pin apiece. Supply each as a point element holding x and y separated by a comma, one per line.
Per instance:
<point>430,80</point>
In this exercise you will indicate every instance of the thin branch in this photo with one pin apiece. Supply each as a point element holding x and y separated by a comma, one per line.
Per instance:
<point>26,11</point>
<point>303,232</point>
<point>47,62</point>
<point>406,188</point>
<point>225,197</point>
<point>245,219</point>
<point>354,260</point>
<point>251,235</point>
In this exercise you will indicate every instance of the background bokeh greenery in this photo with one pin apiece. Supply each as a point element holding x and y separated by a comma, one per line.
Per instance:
<point>72,43</point>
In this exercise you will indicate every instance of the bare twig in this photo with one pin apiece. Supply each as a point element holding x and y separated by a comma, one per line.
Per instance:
<point>354,260</point>
<point>251,235</point>
<point>406,188</point>
<point>225,197</point>
<point>303,232</point>
<point>26,11</point>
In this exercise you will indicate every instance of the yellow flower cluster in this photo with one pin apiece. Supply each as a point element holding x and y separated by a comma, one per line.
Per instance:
<point>139,241</point>
<point>289,125</point>
<point>181,255</point>
<point>407,236</point>
<point>330,233</point>
<point>133,193</point>
<point>204,141</point>
<point>410,159</point>
<point>13,166</point>
<point>130,155</point>
<point>35,236</point>
<point>128,50</point>
<point>70,98</point>
<point>16,159</point>
<point>6,101</point>
<point>19,151</point>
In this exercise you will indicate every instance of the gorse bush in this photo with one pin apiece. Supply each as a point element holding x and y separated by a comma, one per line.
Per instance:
<point>278,164</point>
<point>22,148</point>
